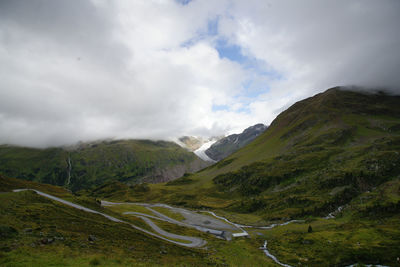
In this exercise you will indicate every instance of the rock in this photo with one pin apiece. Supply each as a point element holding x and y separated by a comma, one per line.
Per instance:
<point>28,230</point>
<point>46,240</point>
<point>307,242</point>
<point>92,238</point>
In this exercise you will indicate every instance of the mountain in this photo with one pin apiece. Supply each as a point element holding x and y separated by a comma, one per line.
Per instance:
<point>227,145</point>
<point>321,152</point>
<point>90,164</point>
<point>331,161</point>
<point>323,180</point>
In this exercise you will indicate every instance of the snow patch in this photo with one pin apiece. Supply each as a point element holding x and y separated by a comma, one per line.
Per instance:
<point>201,151</point>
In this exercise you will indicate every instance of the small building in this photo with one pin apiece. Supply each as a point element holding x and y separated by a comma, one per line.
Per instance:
<point>240,234</point>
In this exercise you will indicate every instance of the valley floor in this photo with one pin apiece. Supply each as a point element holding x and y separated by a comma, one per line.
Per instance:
<point>335,240</point>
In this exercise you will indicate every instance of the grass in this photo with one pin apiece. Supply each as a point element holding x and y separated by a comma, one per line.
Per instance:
<point>121,208</point>
<point>93,164</point>
<point>323,152</point>
<point>35,218</point>
<point>335,149</point>
<point>335,242</point>
<point>170,213</point>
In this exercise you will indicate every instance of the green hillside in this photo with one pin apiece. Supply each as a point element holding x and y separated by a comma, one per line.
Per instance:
<point>317,155</point>
<point>88,165</point>
<point>338,151</point>
<point>331,161</point>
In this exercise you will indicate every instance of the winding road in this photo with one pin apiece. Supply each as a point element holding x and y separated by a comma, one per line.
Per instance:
<point>194,241</point>
<point>192,220</point>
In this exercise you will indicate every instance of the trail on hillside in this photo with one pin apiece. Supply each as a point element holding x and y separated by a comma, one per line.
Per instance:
<point>194,241</point>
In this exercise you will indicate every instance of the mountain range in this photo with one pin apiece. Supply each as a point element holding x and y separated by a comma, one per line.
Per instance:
<point>333,155</point>
<point>321,184</point>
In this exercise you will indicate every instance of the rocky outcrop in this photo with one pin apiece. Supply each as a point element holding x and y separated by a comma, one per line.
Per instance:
<point>227,145</point>
<point>173,172</point>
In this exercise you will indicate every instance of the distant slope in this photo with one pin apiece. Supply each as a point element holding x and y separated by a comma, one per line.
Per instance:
<point>93,164</point>
<point>227,145</point>
<point>317,155</point>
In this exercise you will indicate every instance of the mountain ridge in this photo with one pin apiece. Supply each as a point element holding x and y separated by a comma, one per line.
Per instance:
<point>335,132</point>
<point>229,144</point>
<point>89,164</point>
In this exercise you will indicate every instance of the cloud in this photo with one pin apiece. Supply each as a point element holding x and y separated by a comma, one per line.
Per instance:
<point>96,69</point>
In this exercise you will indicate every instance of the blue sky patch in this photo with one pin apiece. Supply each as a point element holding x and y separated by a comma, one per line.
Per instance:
<point>230,51</point>
<point>212,26</point>
<point>219,107</point>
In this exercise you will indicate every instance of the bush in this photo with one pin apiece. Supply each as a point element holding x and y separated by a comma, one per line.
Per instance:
<point>94,262</point>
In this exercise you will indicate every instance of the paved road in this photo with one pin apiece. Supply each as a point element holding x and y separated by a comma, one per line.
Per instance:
<point>197,242</point>
<point>170,220</point>
<point>194,241</point>
<point>194,220</point>
<point>191,218</point>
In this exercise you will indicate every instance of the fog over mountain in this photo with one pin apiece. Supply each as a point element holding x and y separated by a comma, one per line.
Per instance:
<point>83,70</point>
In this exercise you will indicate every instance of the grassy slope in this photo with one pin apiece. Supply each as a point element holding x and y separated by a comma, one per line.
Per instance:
<point>323,152</point>
<point>314,157</point>
<point>115,245</point>
<point>94,164</point>
<point>367,231</point>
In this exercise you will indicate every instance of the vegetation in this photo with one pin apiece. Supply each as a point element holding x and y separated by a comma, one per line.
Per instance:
<point>38,232</point>
<point>316,156</point>
<point>322,153</point>
<point>336,153</point>
<point>93,164</point>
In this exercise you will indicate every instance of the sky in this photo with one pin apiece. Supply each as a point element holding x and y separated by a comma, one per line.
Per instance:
<point>159,69</point>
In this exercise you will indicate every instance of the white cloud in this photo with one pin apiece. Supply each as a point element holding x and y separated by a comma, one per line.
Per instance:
<point>315,45</point>
<point>149,69</point>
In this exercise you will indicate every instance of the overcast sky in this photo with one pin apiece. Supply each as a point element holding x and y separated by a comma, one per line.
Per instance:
<point>91,69</point>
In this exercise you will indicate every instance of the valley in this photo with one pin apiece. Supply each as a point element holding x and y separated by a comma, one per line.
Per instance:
<point>319,187</point>
<point>199,133</point>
